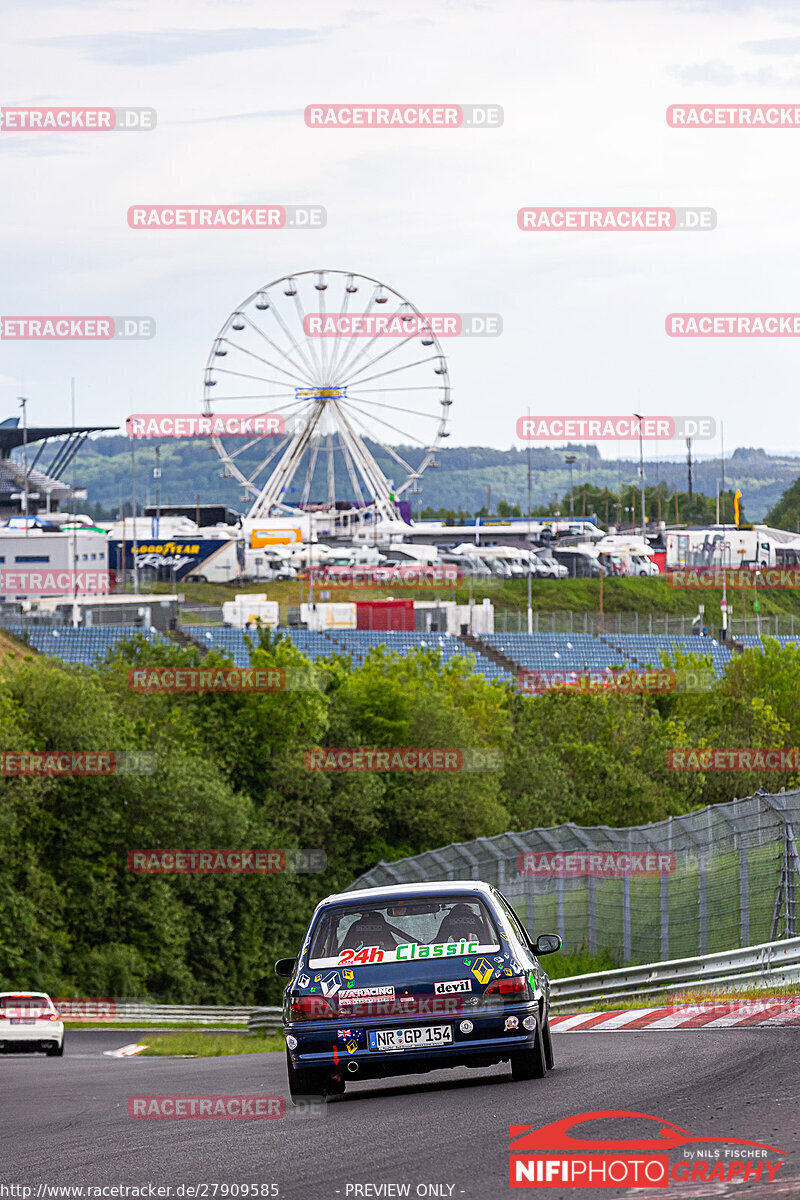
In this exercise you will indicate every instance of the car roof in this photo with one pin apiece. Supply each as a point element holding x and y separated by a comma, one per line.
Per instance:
<point>24,994</point>
<point>411,889</point>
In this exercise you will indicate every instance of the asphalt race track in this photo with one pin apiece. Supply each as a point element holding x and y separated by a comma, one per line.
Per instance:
<point>65,1121</point>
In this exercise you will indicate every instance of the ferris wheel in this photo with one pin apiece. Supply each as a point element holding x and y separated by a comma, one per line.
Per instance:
<point>362,411</point>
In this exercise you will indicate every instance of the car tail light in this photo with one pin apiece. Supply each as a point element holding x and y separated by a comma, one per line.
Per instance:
<point>513,985</point>
<point>310,1008</point>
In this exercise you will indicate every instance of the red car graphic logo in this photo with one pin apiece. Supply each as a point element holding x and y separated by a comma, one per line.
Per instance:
<point>556,1136</point>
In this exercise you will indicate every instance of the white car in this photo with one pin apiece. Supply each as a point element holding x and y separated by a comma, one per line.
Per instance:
<point>30,1021</point>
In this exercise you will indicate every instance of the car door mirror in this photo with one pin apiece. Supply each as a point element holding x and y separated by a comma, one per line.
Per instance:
<point>548,943</point>
<point>284,967</point>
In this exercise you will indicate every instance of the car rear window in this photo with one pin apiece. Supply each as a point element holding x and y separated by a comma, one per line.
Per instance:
<point>418,927</point>
<point>25,1006</point>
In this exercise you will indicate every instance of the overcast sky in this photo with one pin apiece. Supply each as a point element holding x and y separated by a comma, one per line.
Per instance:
<point>584,85</point>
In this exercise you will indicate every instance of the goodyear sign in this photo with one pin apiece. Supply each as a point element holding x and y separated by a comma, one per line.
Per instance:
<point>178,558</point>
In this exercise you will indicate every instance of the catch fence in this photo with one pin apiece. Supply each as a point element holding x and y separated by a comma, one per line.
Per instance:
<point>652,623</point>
<point>722,877</point>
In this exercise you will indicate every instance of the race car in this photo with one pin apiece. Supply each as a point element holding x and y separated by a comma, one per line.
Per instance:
<point>30,1021</point>
<point>399,980</point>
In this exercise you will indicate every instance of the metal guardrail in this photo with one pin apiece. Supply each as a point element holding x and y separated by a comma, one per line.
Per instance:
<point>265,1018</point>
<point>771,963</point>
<point>198,1014</point>
<point>768,964</point>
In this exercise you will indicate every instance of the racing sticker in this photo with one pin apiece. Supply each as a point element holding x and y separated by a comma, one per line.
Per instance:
<point>483,970</point>
<point>351,1039</point>
<point>331,985</point>
<point>359,995</point>
<point>407,952</point>
<point>303,981</point>
<point>446,987</point>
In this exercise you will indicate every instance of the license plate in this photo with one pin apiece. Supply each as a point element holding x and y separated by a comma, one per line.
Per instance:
<point>22,1021</point>
<point>425,1036</point>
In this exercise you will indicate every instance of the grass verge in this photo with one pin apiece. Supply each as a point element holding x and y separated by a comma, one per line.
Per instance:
<point>209,1045</point>
<point>128,1023</point>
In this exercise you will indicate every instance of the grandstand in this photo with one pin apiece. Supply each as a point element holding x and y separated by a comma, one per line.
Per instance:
<point>81,645</point>
<point>496,656</point>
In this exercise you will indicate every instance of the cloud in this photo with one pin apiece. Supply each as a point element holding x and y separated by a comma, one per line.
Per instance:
<point>171,46</point>
<point>786,46</point>
<point>245,116</point>
<point>723,73</point>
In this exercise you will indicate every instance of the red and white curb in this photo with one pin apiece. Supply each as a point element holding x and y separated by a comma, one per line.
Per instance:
<point>125,1051</point>
<point>716,1014</point>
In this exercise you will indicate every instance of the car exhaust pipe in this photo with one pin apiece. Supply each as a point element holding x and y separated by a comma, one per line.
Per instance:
<point>352,1067</point>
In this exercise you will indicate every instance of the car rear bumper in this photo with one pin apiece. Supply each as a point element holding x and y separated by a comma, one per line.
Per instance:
<point>40,1033</point>
<point>319,1047</point>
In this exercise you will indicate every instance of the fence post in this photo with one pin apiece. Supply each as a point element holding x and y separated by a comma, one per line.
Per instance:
<point>626,918</point>
<point>792,873</point>
<point>744,897</point>
<point>592,913</point>
<point>664,916</point>
<point>702,904</point>
<point>560,905</point>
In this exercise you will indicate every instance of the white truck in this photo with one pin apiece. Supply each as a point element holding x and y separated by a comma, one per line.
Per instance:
<point>727,546</point>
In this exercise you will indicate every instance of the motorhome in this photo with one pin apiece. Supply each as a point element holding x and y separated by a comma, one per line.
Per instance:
<point>625,554</point>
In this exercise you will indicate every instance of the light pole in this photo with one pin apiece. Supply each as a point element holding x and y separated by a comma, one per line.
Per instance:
<point>530,552</point>
<point>639,418</point>
<point>157,477</point>
<point>23,403</point>
<point>756,605</point>
<point>569,460</point>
